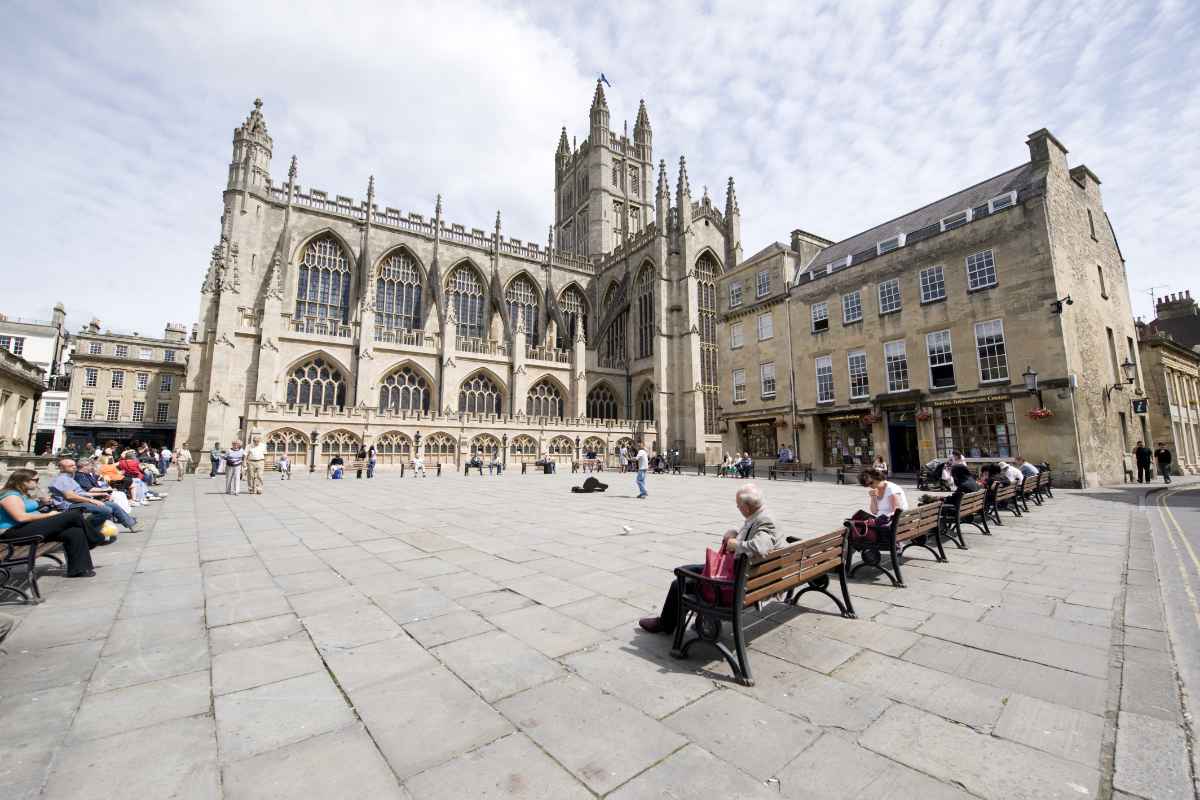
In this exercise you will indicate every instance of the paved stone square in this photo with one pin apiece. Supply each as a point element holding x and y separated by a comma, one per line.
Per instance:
<point>476,637</point>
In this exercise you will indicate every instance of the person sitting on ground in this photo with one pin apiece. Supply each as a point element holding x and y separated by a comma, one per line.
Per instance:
<point>756,538</point>
<point>66,494</point>
<point>884,498</point>
<point>20,517</point>
<point>1027,469</point>
<point>335,467</point>
<point>590,485</point>
<point>284,464</point>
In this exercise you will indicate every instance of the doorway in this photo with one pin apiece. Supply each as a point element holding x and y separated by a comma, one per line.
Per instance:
<point>902,441</point>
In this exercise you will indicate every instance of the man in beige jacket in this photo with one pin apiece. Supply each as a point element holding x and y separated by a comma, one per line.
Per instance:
<point>256,456</point>
<point>756,538</point>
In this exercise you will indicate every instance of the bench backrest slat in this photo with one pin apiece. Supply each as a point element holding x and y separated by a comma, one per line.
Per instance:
<point>793,565</point>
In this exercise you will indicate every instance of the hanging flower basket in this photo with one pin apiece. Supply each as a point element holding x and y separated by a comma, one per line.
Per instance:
<point>870,419</point>
<point>923,415</point>
<point>1040,413</point>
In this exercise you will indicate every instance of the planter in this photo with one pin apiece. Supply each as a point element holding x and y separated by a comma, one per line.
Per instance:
<point>1040,413</point>
<point>924,415</point>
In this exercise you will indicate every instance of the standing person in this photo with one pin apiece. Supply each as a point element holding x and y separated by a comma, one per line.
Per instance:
<point>643,463</point>
<point>1142,454</point>
<point>360,462</point>
<point>214,455</point>
<point>285,467</point>
<point>234,457</point>
<point>19,516</point>
<point>371,462</point>
<point>183,460</point>
<point>256,458</point>
<point>1163,456</point>
<point>164,460</point>
<point>622,458</point>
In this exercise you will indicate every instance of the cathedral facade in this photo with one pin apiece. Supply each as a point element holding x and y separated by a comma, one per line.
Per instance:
<point>327,324</point>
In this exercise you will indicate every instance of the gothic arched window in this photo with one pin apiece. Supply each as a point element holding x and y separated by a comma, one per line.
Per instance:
<point>393,447</point>
<point>545,400</point>
<point>594,444</point>
<point>404,389</point>
<point>574,308</point>
<point>612,344</point>
<point>523,446</point>
<point>316,383</point>
<point>561,446</point>
<point>486,445</point>
<point>339,443</point>
<point>323,288</point>
<point>289,442</point>
<point>438,448</point>
<point>601,403</point>
<point>644,292</point>
<point>645,403</point>
<point>464,291</point>
<point>707,271</point>
<point>480,395</point>
<point>398,293</point>
<point>522,299</point>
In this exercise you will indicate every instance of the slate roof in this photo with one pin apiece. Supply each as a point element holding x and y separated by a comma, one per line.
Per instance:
<point>1183,330</point>
<point>972,197</point>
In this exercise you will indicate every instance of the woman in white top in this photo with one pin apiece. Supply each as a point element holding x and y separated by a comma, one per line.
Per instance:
<point>880,465</point>
<point>884,497</point>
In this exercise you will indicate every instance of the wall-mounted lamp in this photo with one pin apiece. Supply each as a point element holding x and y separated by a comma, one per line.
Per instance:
<point>1031,384</point>
<point>1130,370</point>
<point>1056,307</point>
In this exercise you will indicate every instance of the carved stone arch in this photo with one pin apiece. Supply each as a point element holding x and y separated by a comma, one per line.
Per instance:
<point>523,292</point>
<point>595,444</point>
<point>326,278</point>
<point>603,401</point>
<point>313,372</point>
<point>467,297</point>
<point>406,387</point>
<point>576,307</point>
<point>482,392</point>
<point>523,447</point>
<point>707,250</point>
<point>338,442</point>
<point>327,230</point>
<point>393,447</point>
<point>439,447</point>
<point>289,442</point>
<point>547,397</point>
<point>391,251</point>
<point>400,285</point>
<point>561,446</point>
<point>643,404</point>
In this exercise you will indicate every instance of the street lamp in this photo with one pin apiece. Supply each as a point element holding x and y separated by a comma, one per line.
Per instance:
<point>312,461</point>
<point>504,445</point>
<point>1129,369</point>
<point>576,448</point>
<point>1031,384</point>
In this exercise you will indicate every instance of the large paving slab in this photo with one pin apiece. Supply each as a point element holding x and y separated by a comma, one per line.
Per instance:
<point>457,637</point>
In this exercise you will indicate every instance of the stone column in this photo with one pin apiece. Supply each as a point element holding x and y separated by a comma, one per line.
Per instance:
<point>518,387</point>
<point>579,376</point>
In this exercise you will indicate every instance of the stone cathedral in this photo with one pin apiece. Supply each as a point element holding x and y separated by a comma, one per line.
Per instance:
<point>328,323</point>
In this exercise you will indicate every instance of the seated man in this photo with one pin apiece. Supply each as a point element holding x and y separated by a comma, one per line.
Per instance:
<point>66,493</point>
<point>474,462</point>
<point>418,466</point>
<point>335,468</point>
<point>1027,469</point>
<point>548,465</point>
<point>756,538</point>
<point>747,466</point>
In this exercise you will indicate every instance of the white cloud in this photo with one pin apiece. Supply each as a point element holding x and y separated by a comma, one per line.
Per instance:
<point>831,118</point>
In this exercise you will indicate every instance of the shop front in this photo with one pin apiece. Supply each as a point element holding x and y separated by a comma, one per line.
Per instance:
<point>758,438</point>
<point>847,439</point>
<point>979,428</point>
<point>903,452</point>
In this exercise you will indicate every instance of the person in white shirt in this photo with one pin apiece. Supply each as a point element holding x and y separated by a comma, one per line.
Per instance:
<point>285,467</point>
<point>418,465</point>
<point>1011,473</point>
<point>643,463</point>
<point>183,458</point>
<point>256,459</point>
<point>884,497</point>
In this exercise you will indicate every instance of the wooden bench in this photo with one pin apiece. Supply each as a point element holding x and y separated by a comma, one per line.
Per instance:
<point>428,469</point>
<point>24,552</point>
<point>805,562</point>
<point>964,509</point>
<point>848,470</point>
<point>544,469</point>
<point>1002,497</point>
<point>794,469</point>
<point>912,528</point>
<point>1045,487</point>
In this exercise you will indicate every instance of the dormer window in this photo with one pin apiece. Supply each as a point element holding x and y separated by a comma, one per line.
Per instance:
<point>1002,201</point>
<point>888,245</point>
<point>841,262</point>
<point>955,220</point>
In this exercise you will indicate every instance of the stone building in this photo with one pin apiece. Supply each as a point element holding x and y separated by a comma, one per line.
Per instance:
<point>125,386</point>
<point>336,322</point>
<point>918,337</point>
<point>1170,349</point>
<point>44,343</point>
<point>21,384</point>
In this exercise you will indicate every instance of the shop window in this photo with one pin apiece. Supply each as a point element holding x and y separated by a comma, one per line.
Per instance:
<point>847,441</point>
<point>977,430</point>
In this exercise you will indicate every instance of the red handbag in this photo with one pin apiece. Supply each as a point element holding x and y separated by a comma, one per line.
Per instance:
<point>719,565</point>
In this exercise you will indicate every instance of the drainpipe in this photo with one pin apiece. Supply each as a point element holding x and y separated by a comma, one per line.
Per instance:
<point>787,308</point>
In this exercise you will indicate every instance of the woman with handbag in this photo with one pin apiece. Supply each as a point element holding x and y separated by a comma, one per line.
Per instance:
<point>20,517</point>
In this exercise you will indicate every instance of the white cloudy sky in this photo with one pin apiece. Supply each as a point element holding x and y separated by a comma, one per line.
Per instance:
<point>117,118</point>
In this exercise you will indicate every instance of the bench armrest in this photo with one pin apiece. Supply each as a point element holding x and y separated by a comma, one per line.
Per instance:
<point>10,545</point>
<point>693,575</point>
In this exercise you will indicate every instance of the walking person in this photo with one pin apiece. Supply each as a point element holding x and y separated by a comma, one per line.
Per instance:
<point>234,457</point>
<point>256,459</point>
<point>1141,455</point>
<point>1163,456</point>
<point>183,460</point>
<point>371,462</point>
<point>360,462</point>
<point>214,455</point>
<point>622,458</point>
<point>643,463</point>
<point>285,467</point>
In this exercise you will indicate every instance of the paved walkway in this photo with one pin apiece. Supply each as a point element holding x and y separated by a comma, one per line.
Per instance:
<point>459,638</point>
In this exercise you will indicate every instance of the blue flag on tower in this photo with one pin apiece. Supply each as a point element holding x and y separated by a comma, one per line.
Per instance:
<point>604,80</point>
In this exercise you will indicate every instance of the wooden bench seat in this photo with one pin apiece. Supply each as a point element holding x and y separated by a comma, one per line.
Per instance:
<point>24,552</point>
<point>1002,497</point>
<point>917,527</point>
<point>808,562</point>
<point>966,509</point>
<point>793,469</point>
<point>849,471</point>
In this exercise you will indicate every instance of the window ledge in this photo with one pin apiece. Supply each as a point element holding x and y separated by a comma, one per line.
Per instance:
<point>846,324</point>
<point>978,289</point>
<point>941,389</point>
<point>890,313</point>
<point>934,301</point>
<point>767,397</point>
<point>994,382</point>
<point>826,402</point>
<point>818,333</point>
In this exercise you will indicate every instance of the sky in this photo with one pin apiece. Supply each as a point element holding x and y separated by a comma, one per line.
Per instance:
<point>831,117</point>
